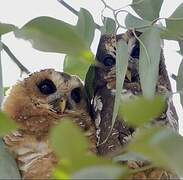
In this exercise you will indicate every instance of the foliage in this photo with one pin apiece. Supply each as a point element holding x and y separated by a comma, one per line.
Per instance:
<point>162,146</point>
<point>74,151</point>
<point>157,144</point>
<point>147,9</point>
<point>121,68</point>
<point>6,124</point>
<point>140,110</point>
<point>109,26</point>
<point>149,60</point>
<point>8,168</point>
<point>5,28</point>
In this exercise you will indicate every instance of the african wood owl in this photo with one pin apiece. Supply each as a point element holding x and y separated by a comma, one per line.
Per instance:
<point>37,103</point>
<point>102,77</point>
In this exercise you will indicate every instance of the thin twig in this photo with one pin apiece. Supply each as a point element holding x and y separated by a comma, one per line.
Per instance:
<point>70,8</point>
<point>1,79</point>
<point>15,60</point>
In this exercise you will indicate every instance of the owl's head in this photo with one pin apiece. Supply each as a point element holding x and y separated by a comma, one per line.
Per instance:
<point>44,98</point>
<point>106,53</point>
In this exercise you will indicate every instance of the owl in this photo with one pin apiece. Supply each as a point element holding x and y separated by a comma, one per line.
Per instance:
<point>102,78</point>
<point>38,103</point>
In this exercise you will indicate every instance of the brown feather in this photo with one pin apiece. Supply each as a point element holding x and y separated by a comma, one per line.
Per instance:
<point>37,113</point>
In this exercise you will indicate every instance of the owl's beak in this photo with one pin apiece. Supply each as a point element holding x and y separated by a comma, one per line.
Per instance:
<point>62,105</point>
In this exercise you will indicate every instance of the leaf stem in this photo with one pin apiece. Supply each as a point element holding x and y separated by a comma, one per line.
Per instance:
<point>70,8</point>
<point>15,60</point>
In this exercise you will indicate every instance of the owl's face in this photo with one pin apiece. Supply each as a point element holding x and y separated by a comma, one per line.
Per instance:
<point>60,92</point>
<point>44,98</point>
<point>106,57</point>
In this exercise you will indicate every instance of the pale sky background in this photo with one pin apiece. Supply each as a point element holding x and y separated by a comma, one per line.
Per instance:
<point>18,12</point>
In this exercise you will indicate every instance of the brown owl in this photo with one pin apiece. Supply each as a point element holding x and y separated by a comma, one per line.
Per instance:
<point>102,77</point>
<point>37,103</point>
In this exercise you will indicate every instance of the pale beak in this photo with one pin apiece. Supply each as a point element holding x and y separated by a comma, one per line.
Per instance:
<point>62,105</point>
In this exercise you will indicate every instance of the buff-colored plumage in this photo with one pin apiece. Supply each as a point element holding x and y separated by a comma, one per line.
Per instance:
<point>37,103</point>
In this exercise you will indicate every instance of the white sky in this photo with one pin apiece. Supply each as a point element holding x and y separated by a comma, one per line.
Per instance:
<point>18,12</point>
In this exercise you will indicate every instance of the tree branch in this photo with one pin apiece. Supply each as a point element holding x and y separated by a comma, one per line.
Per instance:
<point>74,11</point>
<point>15,60</point>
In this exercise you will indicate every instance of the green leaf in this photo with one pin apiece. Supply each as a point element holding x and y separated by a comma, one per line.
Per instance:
<point>6,124</point>
<point>89,82</point>
<point>149,60</point>
<point>129,156</point>
<point>5,28</point>
<point>5,90</point>
<point>99,172</point>
<point>68,140</point>
<point>132,22</point>
<point>147,9</point>
<point>167,34</point>
<point>76,66</point>
<point>109,26</point>
<point>68,167</point>
<point>163,147</point>
<point>179,82</point>
<point>8,166</point>
<point>174,24</point>
<point>121,68</point>
<point>141,110</point>
<point>85,26</point>
<point>52,35</point>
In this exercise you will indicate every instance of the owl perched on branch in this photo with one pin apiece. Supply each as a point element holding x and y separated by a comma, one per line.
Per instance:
<point>37,103</point>
<point>102,78</point>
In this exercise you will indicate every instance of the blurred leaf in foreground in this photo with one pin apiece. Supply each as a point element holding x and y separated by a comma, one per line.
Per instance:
<point>162,146</point>
<point>73,150</point>
<point>141,110</point>
<point>99,172</point>
<point>68,140</point>
<point>8,166</point>
<point>6,124</point>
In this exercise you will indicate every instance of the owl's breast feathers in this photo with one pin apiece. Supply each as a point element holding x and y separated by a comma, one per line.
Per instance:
<point>35,158</point>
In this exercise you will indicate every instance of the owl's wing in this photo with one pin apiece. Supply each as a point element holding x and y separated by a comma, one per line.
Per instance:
<point>8,166</point>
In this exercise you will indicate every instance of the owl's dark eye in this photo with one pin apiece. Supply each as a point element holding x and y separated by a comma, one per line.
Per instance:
<point>76,95</point>
<point>47,87</point>
<point>109,60</point>
<point>136,51</point>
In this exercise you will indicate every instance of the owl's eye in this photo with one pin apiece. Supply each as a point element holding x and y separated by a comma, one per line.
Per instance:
<point>47,87</point>
<point>109,60</point>
<point>76,95</point>
<point>136,51</point>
